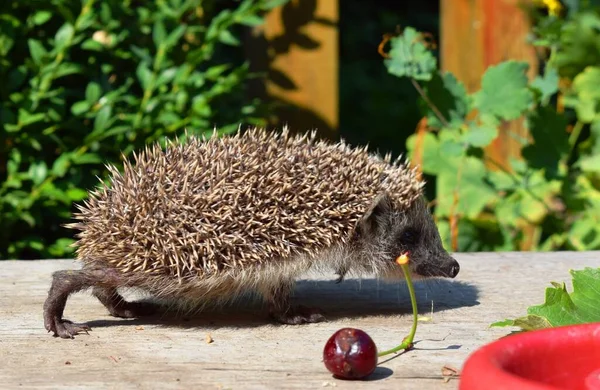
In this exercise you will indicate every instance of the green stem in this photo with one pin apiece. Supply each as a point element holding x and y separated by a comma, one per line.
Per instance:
<point>433,107</point>
<point>407,343</point>
<point>574,137</point>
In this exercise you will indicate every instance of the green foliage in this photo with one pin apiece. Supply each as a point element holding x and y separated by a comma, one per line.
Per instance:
<point>563,308</point>
<point>84,81</point>
<point>549,197</point>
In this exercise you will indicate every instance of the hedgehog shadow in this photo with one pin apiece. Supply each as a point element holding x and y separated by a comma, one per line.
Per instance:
<point>351,299</point>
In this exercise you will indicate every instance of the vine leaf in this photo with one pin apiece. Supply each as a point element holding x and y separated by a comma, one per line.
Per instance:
<point>562,308</point>
<point>409,57</point>
<point>546,85</point>
<point>450,97</point>
<point>504,91</point>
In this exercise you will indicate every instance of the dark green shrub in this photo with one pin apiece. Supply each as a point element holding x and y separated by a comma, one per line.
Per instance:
<point>83,81</point>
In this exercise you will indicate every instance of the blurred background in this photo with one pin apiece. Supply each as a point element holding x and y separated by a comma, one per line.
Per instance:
<point>496,101</point>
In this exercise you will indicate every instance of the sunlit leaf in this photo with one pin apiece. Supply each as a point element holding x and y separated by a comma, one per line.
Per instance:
<point>504,91</point>
<point>562,308</point>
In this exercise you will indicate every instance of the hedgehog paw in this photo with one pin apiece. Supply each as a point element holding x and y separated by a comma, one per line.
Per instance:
<point>299,315</point>
<point>133,309</point>
<point>66,329</point>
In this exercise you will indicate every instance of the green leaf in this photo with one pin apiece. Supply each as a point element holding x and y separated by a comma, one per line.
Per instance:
<point>12,165</point>
<point>562,308</point>
<point>93,92</point>
<point>41,17</point>
<point>66,69</point>
<point>61,165</point>
<point>158,32</point>
<point>26,118</point>
<point>37,51</point>
<point>226,37</point>
<point>142,53</point>
<point>585,86</point>
<point>80,107</point>
<point>585,232</point>
<point>28,218</point>
<point>480,136</point>
<point>64,36</point>
<point>214,72</point>
<point>590,163</point>
<point>102,118</point>
<point>49,191</point>
<point>530,322</point>
<point>268,4</point>
<point>578,46</point>
<point>409,57</point>
<point>175,35</point>
<point>38,172</point>
<point>88,158</point>
<point>251,20</point>
<point>61,247</point>
<point>76,194</point>
<point>465,177</point>
<point>450,98</point>
<point>504,92</point>
<point>144,75</point>
<point>547,85</point>
<point>166,76</point>
<point>527,203</point>
<point>452,148</point>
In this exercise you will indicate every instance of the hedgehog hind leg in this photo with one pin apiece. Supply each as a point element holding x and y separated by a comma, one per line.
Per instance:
<point>119,307</point>
<point>65,283</point>
<point>281,310</point>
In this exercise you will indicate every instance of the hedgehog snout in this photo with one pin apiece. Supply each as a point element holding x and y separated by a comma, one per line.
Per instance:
<point>438,265</point>
<point>453,269</point>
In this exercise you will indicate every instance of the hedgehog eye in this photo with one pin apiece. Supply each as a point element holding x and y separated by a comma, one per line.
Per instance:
<point>409,236</point>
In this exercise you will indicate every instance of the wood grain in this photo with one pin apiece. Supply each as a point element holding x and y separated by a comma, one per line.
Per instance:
<point>248,353</point>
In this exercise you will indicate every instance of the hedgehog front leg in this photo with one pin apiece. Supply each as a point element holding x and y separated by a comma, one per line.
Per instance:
<point>65,283</point>
<point>280,309</point>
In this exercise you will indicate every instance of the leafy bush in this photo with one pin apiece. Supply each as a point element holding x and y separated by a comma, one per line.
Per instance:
<point>550,195</point>
<point>83,81</point>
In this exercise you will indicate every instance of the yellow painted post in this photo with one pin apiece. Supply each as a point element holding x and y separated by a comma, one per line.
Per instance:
<point>298,46</point>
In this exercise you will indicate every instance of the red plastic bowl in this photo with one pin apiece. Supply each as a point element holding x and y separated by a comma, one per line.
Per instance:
<point>557,358</point>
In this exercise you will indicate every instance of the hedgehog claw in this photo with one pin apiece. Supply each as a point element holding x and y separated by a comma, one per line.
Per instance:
<point>66,329</point>
<point>300,315</point>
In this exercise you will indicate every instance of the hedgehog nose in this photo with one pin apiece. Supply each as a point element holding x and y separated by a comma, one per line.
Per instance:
<point>454,269</point>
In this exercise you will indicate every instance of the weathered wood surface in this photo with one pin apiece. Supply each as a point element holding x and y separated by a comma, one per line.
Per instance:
<point>247,353</point>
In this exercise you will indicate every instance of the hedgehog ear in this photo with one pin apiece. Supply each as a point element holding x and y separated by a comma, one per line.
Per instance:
<point>381,207</point>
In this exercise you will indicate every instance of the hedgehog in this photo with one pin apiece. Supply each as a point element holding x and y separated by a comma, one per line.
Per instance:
<point>203,221</point>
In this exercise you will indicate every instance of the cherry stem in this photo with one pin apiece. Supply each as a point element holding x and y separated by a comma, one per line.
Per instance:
<point>407,343</point>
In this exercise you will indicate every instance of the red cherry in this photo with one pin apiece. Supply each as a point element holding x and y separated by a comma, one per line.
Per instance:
<point>350,354</point>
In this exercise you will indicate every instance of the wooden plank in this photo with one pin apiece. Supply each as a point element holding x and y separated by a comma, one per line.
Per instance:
<point>251,354</point>
<point>476,34</point>
<point>298,47</point>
